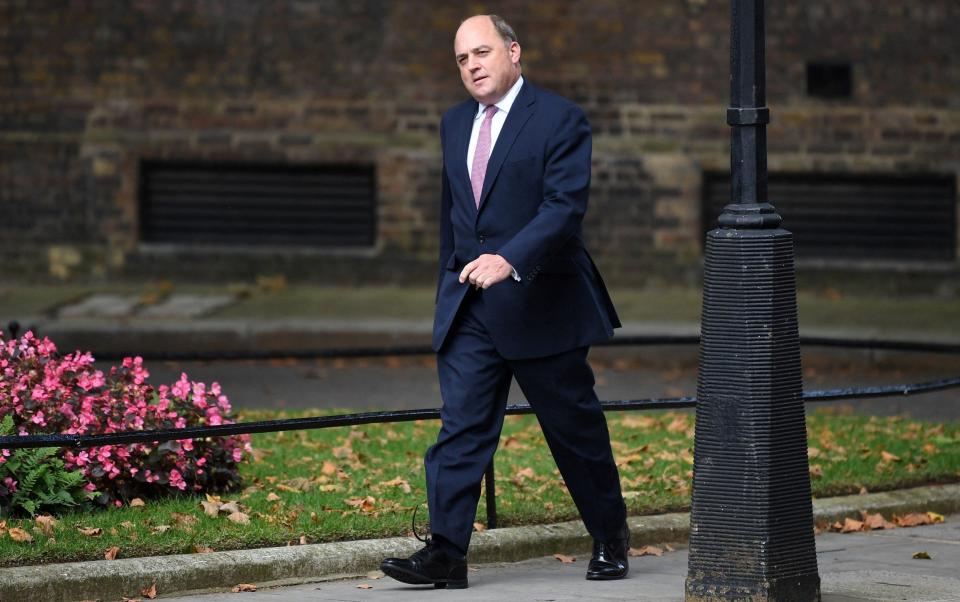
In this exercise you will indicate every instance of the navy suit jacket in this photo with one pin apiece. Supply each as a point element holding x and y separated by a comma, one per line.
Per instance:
<point>531,212</point>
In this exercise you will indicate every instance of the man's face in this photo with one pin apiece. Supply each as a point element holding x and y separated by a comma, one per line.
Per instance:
<point>488,67</point>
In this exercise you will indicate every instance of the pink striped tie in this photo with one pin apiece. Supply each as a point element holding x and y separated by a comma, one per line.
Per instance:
<point>482,154</point>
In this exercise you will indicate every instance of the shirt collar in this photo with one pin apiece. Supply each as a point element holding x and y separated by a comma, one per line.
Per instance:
<point>504,103</point>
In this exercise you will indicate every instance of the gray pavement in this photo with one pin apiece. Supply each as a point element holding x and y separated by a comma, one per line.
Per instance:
<point>878,565</point>
<point>621,373</point>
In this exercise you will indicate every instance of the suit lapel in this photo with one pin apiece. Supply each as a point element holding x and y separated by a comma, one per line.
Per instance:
<point>464,130</point>
<point>519,113</point>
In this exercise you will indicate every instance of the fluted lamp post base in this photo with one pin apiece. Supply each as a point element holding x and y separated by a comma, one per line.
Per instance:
<point>751,525</point>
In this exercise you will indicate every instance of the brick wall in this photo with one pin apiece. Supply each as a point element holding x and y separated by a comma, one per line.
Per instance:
<point>89,89</point>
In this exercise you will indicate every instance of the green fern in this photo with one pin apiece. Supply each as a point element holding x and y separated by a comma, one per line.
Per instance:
<point>43,481</point>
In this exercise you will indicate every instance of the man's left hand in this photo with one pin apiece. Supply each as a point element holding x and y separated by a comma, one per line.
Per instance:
<point>486,270</point>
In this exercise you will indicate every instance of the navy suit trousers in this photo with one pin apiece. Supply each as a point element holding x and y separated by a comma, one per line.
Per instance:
<point>474,383</point>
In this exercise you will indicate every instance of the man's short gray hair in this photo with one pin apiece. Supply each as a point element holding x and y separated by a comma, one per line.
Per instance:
<point>503,28</point>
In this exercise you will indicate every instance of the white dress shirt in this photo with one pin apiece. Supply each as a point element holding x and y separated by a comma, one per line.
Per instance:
<point>503,107</point>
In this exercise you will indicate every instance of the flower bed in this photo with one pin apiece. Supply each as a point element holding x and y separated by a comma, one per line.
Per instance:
<point>46,393</point>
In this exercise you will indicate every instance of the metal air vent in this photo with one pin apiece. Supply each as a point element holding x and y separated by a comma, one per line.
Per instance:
<point>238,204</point>
<point>860,217</point>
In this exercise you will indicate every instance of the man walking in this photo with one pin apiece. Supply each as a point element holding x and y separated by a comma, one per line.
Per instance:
<point>517,297</point>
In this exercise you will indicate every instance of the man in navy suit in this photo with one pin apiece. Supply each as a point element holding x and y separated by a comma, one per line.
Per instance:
<point>517,297</point>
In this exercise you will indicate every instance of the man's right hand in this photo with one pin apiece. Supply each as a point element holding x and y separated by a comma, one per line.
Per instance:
<point>486,270</point>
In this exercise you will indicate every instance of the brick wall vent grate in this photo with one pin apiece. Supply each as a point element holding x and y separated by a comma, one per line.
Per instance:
<point>233,204</point>
<point>856,217</point>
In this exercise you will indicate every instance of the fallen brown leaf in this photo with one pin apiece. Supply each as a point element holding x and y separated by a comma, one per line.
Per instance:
<point>639,422</point>
<point>127,524</point>
<point>921,556</point>
<point>364,586</point>
<point>850,525</point>
<point>137,503</point>
<point>273,497</point>
<point>526,473</point>
<point>19,535</point>
<point>564,558</point>
<point>111,553</point>
<point>328,468</point>
<point>375,575</point>
<point>240,518</point>
<point>364,504</point>
<point>876,521</point>
<point>888,457</point>
<point>45,524</point>
<point>90,531</point>
<point>198,549</point>
<point>159,529</point>
<point>479,527</point>
<point>211,509</point>
<point>244,587</point>
<point>184,520</point>
<point>832,294</point>
<point>646,551</point>
<point>514,443</point>
<point>398,482</point>
<point>150,592</point>
<point>816,471</point>
<point>678,425</point>
<point>914,519</point>
<point>230,507</point>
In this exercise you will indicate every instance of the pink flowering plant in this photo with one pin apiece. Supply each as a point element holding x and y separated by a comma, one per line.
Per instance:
<point>47,393</point>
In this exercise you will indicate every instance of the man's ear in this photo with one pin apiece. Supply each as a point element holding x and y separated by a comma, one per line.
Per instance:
<point>514,53</point>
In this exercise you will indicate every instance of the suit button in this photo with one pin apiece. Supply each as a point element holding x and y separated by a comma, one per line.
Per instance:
<point>483,239</point>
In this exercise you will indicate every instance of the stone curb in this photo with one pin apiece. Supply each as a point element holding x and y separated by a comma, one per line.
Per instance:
<point>183,574</point>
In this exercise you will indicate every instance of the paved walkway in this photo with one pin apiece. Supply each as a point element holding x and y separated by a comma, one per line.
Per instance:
<point>853,567</point>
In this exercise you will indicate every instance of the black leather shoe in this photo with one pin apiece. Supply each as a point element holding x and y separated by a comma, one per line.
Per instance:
<point>432,564</point>
<point>609,560</point>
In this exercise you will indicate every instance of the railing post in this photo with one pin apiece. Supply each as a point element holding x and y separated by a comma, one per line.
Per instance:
<point>751,521</point>
<point>490,485</point>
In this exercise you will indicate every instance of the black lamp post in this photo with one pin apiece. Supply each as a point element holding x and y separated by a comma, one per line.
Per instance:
<point>751,531</point>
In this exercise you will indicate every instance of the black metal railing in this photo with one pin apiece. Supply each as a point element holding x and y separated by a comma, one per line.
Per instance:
<point>318,422</point>
<point>411,350</point>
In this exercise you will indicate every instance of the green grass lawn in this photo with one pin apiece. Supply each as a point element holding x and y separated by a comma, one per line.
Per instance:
<point>354,483</point>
